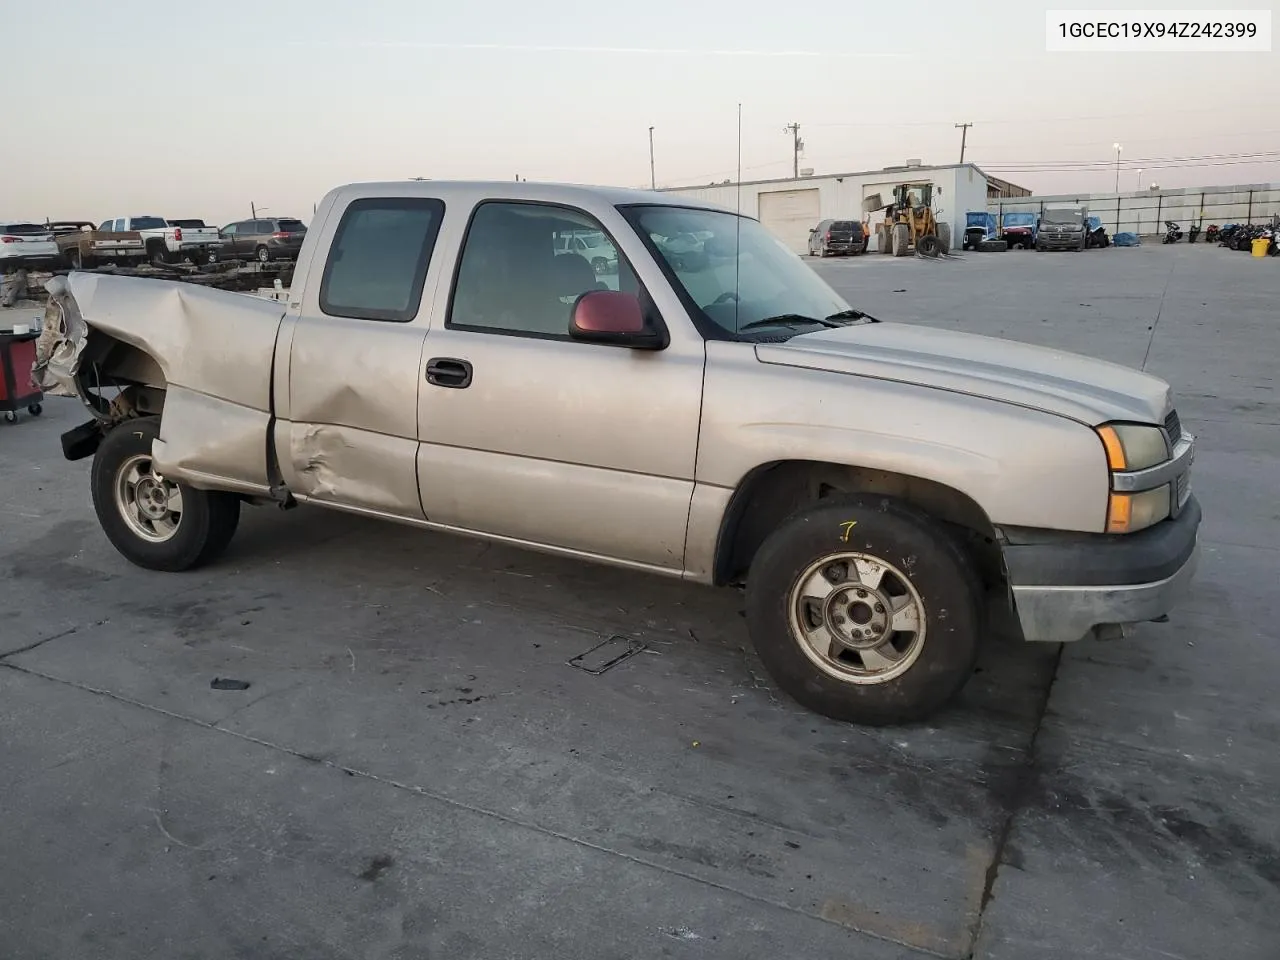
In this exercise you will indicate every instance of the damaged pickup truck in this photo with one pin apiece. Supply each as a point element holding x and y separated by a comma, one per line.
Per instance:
<point>881,490</point>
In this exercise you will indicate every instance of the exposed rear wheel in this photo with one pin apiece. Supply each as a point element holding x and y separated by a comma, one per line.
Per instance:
<point>864,609</point>
<point>263,254</point>
<point>154,522</point>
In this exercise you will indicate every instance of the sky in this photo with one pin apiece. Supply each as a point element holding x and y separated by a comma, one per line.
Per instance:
<point>200,110</point>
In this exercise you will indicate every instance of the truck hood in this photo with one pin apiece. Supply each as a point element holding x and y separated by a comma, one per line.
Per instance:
<point>1054,381</point>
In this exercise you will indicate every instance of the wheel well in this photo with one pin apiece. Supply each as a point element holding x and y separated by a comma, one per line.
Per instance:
<point>110,363</point>
<point>773,492</point>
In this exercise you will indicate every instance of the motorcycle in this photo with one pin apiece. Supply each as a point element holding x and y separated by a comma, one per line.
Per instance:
<point>1211,233</point>
<point>1227,234</point>
<point>1193,231</point>
<point>1173,233</point>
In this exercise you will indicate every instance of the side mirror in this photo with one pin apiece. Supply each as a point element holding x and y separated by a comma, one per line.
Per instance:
<point>611,317</point>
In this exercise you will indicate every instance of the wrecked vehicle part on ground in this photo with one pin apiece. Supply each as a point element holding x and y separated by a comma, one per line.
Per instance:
<point>437,363</point>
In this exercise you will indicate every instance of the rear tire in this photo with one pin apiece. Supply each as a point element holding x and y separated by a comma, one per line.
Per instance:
<point>157,254</point>
<point>263,254</point>
<point>137,517</point>
<point>875,557</point>
<point>944,238</point>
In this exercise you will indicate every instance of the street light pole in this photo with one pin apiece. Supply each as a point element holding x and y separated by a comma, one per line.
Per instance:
<point>1117,148</point>
<point>1139,178</point>
<point>653,183</point>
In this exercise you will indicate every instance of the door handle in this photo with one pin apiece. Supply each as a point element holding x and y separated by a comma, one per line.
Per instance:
<point>448,372</point>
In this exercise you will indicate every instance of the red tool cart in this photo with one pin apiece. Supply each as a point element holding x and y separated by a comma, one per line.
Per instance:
<point>17,354</point>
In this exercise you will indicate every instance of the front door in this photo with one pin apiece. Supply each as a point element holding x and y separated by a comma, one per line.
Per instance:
<point>348,430</point>
<point>530,435</point>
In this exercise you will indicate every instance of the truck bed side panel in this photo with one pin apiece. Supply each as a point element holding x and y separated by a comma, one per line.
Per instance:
<point>215,350</point>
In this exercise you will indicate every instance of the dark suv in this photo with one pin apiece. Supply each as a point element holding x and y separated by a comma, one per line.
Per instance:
<point>837,236</point>
<point>263,240</point>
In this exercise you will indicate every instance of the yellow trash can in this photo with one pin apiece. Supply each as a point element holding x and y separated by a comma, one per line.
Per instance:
<point>1260,246</point>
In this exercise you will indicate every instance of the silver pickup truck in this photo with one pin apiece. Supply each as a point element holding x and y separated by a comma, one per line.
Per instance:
<point>728,420</point>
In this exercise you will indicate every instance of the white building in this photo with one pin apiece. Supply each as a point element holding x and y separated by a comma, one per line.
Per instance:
<point>791,208</point>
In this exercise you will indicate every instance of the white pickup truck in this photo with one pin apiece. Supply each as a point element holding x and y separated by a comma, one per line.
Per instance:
<point>729,420</point>
<point>170,241</point>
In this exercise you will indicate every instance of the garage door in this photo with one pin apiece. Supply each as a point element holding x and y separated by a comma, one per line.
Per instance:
<point>789,215</point>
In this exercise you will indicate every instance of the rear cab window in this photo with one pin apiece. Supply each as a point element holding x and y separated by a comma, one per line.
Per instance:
<point>378,260</point>
<point>147,223</point>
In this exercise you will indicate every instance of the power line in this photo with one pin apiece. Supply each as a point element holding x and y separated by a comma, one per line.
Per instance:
<point>991,168</point>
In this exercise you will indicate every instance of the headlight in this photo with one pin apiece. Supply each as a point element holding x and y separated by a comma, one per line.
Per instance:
<point>1132,446</point>
<point>1127,512</point>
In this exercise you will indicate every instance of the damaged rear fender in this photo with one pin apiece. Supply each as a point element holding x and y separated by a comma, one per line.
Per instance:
<point>209,351</point>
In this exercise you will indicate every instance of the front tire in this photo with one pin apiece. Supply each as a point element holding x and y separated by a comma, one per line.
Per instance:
<point>863,609</point>
<point>153,522</point>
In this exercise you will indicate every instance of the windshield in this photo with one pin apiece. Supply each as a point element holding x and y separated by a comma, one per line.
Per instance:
<point>1019,219</point>
<point>1062,216</point>
<point>764,279</point>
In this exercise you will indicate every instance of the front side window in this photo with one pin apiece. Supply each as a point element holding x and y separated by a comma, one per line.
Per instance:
<point>230,229</point>
<point>379,258</point>
<point>733,272</point>
<point>524,265</point>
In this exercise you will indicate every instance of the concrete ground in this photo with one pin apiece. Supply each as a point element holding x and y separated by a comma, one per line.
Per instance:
<point>415,771</point>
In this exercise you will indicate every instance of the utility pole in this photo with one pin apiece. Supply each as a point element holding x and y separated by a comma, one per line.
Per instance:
<point>653,183</point>
<point>964,135</point>
<point>253,210</point>
<point>796,146</point>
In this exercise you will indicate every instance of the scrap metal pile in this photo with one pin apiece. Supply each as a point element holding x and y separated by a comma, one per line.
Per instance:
<point>234,275</point>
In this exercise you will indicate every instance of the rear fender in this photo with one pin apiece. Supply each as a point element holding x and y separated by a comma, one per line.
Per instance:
<point>210,352</point>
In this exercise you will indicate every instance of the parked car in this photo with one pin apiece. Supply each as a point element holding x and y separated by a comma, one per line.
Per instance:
<point>979,227</point>
<point>1062,228</point>
<point>590,245</point>
<point>89,246</point>
<point>843,237</point>
<point>873,485</point>
<point>1019,229</point>
<point>263,240</point>
<point>684,251</point>
<point>26,245</point>
<point>166,243</point>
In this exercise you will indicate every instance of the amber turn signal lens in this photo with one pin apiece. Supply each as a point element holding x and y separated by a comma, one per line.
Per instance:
<point>1114,448</point>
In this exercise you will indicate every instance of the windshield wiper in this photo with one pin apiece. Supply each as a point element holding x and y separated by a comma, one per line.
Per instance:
<point>787,320</point>
<point>841,319</point>
<point>852,314</point>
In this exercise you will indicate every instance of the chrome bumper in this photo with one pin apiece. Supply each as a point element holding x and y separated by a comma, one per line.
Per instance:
<point>1065,614</point>
<point>1065,586</point>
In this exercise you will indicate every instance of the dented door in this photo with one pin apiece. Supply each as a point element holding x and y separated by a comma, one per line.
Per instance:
<point>347,431</point>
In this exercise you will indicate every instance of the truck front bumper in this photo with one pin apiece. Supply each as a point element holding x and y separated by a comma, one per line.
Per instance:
<point>1067,586</point>
<point>1060,241</point>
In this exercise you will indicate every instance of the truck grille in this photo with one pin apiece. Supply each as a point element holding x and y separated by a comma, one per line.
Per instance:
<point>1173,426</point>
